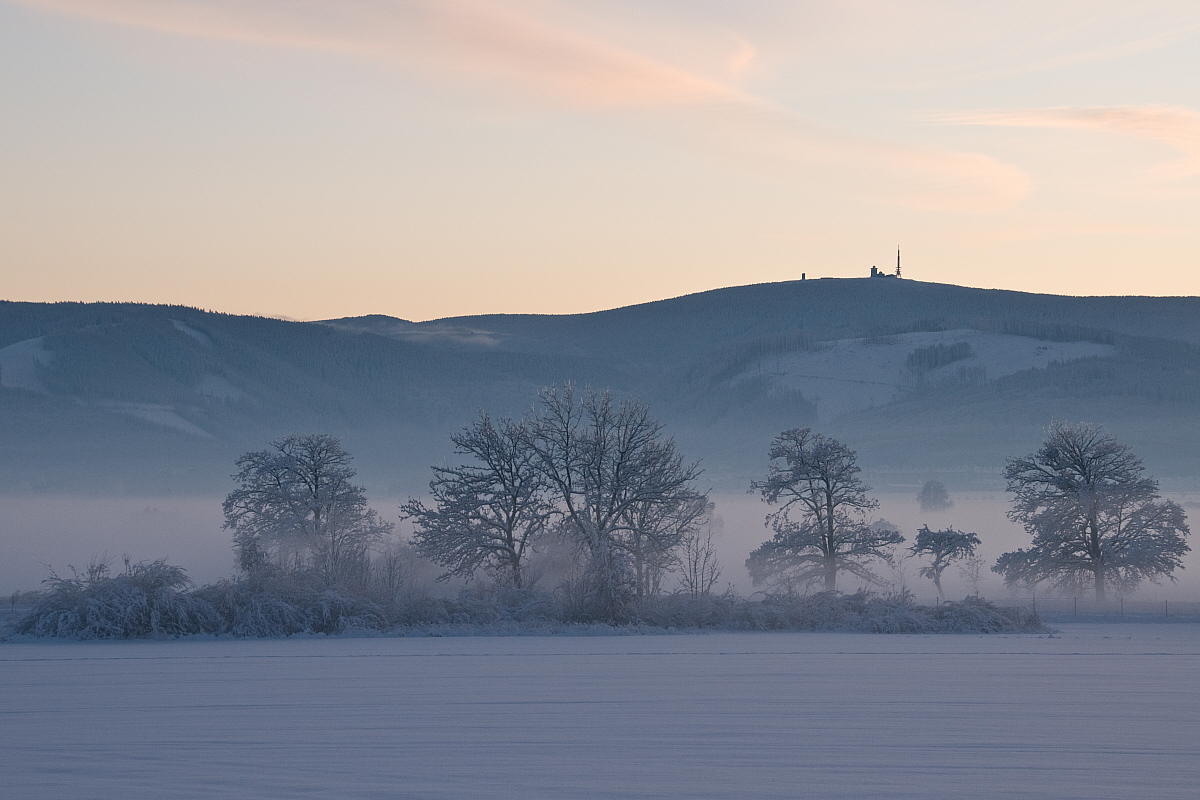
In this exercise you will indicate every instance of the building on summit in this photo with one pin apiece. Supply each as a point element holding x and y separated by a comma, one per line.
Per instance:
<point>877,273</point>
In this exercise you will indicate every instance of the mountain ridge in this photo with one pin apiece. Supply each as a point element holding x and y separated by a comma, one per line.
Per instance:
<point>725,369</point>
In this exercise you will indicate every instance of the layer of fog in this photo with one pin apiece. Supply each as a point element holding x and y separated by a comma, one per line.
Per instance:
<point>48,531</point>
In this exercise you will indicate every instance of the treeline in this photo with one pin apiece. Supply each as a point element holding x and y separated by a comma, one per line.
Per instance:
<point>585,511</point>
<point>915,374</point>
<point>586,471</point>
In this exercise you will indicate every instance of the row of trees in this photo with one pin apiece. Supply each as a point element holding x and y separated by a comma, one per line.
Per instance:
<point>596,472</point>
<point>600,476</point>
<point>584,469</point>
<point>821,521</point>
<point>1093,515</point>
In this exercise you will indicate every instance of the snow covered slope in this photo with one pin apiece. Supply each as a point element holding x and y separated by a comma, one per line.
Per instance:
<point>164,398</point>
<point>848,375</point>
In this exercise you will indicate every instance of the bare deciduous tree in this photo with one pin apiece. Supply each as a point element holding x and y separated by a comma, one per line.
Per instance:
<point>604,460</point>
<point>820,524</point>
<point>699,567</point>
<point>651,535</point>
<point>487,513</point>
<point>296,505</point>
<point>943,548</point>
<point>971,570</point>
<point>1093,515</point>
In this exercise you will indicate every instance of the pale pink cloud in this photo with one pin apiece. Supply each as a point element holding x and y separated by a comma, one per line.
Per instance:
<point>497,42</point>
<point>515,45</point>
<point>1173,126</point>
<point>742,58</point>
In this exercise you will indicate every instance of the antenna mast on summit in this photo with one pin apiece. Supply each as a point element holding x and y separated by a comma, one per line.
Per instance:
<point>897,261</point>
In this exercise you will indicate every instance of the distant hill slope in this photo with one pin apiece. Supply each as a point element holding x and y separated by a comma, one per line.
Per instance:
<point>921,378</point>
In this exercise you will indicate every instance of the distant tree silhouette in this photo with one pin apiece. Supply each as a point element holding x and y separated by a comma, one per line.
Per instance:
<point>489,511</point>
<point>1093,515</point>
<point>934,497</point>
<point>943,548</point>
<point>820,523</point>
<point>614,474</point>
<point>296,505</point>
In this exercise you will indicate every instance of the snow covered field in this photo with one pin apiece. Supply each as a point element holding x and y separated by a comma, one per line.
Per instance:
<point>1099,711</point>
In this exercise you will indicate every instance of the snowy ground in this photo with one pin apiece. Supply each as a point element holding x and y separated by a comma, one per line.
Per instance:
<point>1099,711</point>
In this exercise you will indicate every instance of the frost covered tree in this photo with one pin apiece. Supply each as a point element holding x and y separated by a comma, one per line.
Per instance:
<point>820,523</point>
<point>971,570</point>
<point>699,567</point>
<point>1093,515</point>
<point>652,534</point>
<point>943,548</point>
<point>608,463</point>
<point>487,512</point>
<point>934,497</point>
<point>296,506</point>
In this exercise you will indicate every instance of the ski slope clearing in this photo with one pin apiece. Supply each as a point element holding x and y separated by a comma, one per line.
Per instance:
<point>1098,711</point>
<point>850,375</point>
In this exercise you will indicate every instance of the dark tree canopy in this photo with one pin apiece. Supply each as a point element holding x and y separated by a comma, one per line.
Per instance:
<point>488,512</point>
<point>943,548</point>
<point>1093,515</point>
<point>820,520</point>
<point>296,505</point>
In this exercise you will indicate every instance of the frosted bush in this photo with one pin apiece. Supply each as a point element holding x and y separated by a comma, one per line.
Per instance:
<point>155,599</point>
<point>828,611</point>
<point>150,599</point>
<point>248,613</point>
<point>334,613</point>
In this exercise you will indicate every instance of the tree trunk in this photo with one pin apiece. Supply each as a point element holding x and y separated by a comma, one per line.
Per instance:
<point>937,584</point>
<point>604,578</point>
<point>830,547</point>
<point>1099,573</point>
<point>517,579</point>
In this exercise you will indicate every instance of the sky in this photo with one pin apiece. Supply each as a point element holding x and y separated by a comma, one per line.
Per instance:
<point>431,158</point>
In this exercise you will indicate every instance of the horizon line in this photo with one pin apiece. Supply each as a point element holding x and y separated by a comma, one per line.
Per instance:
<point>725,287</point>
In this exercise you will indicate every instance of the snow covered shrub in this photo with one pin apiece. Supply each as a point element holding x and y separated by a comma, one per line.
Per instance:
<point>593,595</point>
<point>976,615</point>
<point>283,606</point>
<point>861,612</point>
<point>501,603</point>
<point>149,599</point>
<point>250,613</point>
<point>334,612</point>
<point>683,610</point>
<point>423,610</point>
<point>891,614</point>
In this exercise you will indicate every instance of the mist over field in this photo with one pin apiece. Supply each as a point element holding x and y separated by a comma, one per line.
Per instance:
<point>58,530</point>
<point>124,421</point>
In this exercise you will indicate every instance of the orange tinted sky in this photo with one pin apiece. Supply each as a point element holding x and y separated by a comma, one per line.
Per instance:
<point>426,158</point>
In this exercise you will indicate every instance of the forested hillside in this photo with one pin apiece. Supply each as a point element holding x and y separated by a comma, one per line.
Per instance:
<point>920,378</point>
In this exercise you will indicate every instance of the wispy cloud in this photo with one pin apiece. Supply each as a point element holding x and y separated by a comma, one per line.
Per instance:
<point>516,45</point>
<point>488,41</point>
<point>1173,126</point>
<point>742,58</point>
